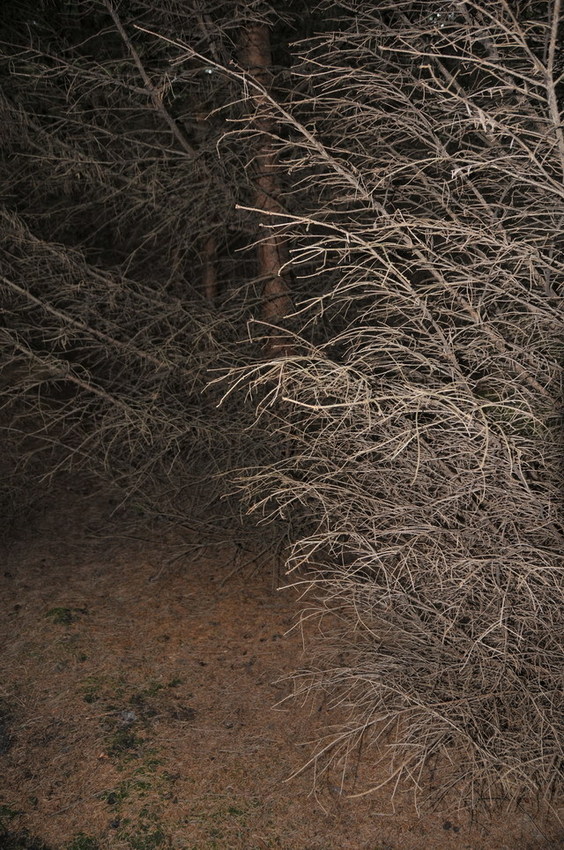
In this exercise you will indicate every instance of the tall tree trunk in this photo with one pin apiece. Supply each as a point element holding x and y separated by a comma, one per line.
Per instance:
<point>209,273</point>
<point>277,303</point>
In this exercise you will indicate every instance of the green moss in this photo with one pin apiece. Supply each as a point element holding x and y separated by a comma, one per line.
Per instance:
<point>64,616</point>
<point>148,837</point>
<point>16,840</point>
<point>6,814</point>
<point>83,842</point>
<point>61,616</point>
<point>152,689</point>
<point>233,810</point>
<point>20,841</point>
<point>123,741</point>
<point>6,738</point>
<point>116,796</point>
<point>91,689</point>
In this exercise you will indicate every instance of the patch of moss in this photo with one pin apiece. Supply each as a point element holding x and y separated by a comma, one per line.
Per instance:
<point>152,689</point>
<point>123,741</point>
<point>92,689</point>
<point>6,739</point>
<point>116,796</point>
<point>6,814</point>
<point>65,616</point>
<point>90,697</point>
<point>147,837</point>
<point>150,841</point>
<point>83,842</point>
<point>60,616</point>
<point>20,840</point>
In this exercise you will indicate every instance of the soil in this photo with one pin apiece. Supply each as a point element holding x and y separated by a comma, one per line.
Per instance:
<point>142,705</point>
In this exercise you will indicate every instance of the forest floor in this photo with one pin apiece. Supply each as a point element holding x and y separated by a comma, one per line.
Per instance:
<point>142,705</point>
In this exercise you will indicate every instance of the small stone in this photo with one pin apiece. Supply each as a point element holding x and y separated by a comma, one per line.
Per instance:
<point>127,718</point>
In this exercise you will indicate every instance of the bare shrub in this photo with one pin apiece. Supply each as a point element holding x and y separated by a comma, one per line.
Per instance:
<point>422,401</point>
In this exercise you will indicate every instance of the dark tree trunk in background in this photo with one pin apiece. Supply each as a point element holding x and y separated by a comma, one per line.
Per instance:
<point>255,56</point>
<point>209,272</point>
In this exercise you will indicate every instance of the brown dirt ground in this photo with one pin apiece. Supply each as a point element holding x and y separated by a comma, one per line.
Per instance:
<point>137,694</point>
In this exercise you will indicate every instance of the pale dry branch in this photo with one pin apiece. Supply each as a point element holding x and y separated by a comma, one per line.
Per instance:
<point>422,409</point>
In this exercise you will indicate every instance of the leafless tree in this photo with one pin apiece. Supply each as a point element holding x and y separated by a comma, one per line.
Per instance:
<point>423,397</point>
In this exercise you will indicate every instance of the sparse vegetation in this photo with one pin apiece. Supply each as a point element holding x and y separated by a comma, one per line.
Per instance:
<point>6,815</point>
<point>60,616</point>
<point>83,842</point>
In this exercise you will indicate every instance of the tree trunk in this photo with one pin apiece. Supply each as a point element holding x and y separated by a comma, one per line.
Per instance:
<point>272,250</point>
<point>209,274</point>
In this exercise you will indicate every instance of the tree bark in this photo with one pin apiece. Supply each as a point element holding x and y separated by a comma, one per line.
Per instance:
<point>209,274</point>
<point>277,302</point>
